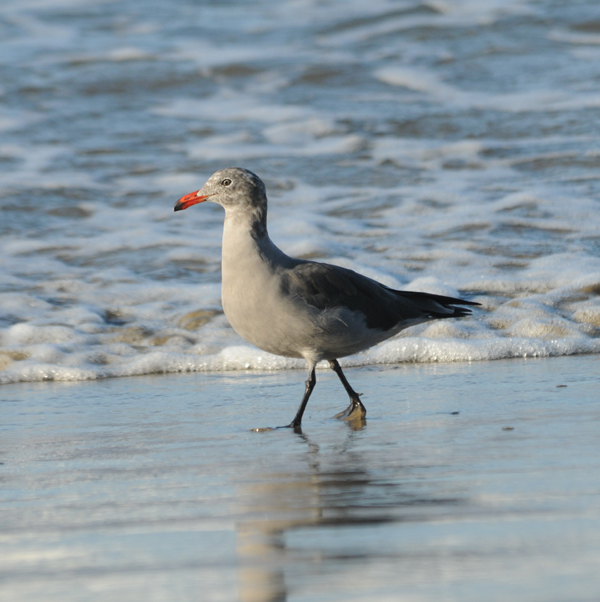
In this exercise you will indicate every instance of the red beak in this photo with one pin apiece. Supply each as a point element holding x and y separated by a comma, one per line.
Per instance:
<point>188,200</point>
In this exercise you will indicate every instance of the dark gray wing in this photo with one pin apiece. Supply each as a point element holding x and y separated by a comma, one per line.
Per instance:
<point>327,286</point>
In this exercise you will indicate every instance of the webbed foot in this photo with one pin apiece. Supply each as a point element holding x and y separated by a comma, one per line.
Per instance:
<point>295,427</point>
<point>354,412</point>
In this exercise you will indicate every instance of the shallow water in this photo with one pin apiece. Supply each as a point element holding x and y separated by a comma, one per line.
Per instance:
<point>469,482</point>
<point>441,146</point>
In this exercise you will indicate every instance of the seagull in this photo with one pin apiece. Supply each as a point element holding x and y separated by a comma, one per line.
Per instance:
<point>299,308</point>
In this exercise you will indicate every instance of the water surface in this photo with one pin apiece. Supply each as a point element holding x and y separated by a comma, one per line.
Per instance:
<point>469,482</point>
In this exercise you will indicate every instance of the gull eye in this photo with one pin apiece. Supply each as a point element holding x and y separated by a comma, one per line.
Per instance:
<point>226,182</point>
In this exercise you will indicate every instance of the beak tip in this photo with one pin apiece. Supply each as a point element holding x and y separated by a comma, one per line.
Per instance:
<point>188,200</point>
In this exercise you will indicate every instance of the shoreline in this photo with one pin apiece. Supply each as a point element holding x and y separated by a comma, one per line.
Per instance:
<point>245,359</point>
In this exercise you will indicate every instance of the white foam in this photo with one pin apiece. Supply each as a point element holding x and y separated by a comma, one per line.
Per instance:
<point>436,90</point>
<point>459,13</point>
<point>244,146</point>
<point>574,37</point>
<point>14,119</point>
<point>230,106</point>
<point>119,55</point>
<point>209,56</point>
<point>414,79</point>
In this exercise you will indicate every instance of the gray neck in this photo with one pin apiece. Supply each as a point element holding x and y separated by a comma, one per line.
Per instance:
<point>245,240</point>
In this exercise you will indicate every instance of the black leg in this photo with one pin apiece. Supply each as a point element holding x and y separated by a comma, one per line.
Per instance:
<point>356,410</point>
<point>310,385</point>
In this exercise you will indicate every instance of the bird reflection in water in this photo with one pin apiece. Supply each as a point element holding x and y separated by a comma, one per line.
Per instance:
<point>310,497</point>
<point>279,503</point>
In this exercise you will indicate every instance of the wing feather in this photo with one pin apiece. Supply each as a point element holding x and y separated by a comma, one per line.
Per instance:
<point>326,286</point>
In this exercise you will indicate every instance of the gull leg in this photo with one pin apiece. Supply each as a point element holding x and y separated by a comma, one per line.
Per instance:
<point>356,410</point>
<point>295,424</point>
<point>309,386</point>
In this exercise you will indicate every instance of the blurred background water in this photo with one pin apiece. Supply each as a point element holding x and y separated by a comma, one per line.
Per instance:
<point>447,146</point>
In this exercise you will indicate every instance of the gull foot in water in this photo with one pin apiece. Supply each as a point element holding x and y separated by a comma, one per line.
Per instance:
<point>355,411</point>
<point>295,427</point>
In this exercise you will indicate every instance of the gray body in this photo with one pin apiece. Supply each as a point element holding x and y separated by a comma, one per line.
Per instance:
<point>277,309</point>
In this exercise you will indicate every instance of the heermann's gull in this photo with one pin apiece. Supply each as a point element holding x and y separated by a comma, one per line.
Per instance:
<point>299,308</point>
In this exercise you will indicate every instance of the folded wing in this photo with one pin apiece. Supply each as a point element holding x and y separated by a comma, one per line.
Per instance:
<point>325,286</point>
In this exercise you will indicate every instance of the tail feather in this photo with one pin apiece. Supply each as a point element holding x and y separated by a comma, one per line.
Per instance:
<point>438,306</point>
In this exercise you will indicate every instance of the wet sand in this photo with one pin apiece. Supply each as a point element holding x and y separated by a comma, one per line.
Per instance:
<point>469,482</point>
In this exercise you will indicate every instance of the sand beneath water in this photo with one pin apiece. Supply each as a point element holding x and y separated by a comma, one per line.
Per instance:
<point>469,482</point>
